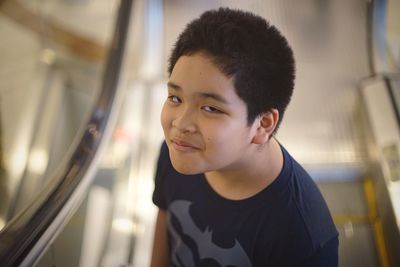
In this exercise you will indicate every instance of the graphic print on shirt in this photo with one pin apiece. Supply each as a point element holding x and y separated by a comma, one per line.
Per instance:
<point>181,253</point>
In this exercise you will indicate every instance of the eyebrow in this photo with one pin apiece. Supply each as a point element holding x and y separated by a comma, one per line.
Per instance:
<point>216,97</point>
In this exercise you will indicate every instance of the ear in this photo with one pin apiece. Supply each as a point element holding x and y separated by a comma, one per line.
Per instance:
<point>266,124</point>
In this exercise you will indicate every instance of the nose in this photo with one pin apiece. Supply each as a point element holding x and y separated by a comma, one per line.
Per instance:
<point>185,121</point>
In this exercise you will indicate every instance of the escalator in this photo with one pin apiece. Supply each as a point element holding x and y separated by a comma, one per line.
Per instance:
<point>64,121</point>
<point>78,149</point>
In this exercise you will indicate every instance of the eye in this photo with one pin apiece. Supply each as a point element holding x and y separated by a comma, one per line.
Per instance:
<point>174,99</point>
<point>210,109</point>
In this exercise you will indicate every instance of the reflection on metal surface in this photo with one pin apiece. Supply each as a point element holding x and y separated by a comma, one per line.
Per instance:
<point>96,223</point>
<point>25,238</point>
<point>74,42</point>
<point>394,191</point>
<point>124,225</point>
<point>392,32</point>
<point>18,160</point>
<point>38,159</point>
<point>392,158</point>
<point>48,56</point>
<point>348,229</point>
<point>46,94</point>
<point>150,68</point>
<point>381,114</point>
<point>386,36</point>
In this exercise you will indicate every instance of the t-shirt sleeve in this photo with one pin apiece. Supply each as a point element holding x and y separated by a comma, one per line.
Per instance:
<point>326,256</point>
<point>159,198</point>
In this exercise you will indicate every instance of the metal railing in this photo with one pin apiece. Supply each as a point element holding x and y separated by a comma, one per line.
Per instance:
<point>25,238</point>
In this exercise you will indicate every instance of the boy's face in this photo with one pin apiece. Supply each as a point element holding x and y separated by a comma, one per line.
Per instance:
<point>204,121</point>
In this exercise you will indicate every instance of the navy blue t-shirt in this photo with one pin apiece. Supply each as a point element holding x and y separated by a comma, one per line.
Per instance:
<point>286,224</point>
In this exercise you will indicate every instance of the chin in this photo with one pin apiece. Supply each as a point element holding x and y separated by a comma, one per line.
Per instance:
<point>187,169</point>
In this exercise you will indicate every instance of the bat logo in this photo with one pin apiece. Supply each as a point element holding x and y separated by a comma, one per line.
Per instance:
<point>182,254</point>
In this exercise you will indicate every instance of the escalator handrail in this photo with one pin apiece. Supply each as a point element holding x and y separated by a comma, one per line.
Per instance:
<point>24,239</point>
<point>392,94</point>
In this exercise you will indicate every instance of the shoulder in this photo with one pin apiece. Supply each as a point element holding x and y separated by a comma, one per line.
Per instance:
<point>311,206</point>
<point>301,223</point>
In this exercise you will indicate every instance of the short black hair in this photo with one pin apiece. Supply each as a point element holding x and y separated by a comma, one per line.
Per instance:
<point>249,49</point>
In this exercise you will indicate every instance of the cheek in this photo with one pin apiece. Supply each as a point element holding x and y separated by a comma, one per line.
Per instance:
<point>165,117</point>
<point>225,137</point>
<point>214,135</point>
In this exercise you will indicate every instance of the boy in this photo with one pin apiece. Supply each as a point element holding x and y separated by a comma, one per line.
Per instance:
<point>228,193</point>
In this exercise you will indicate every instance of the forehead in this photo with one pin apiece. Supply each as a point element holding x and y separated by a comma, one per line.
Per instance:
<point>197,72</point>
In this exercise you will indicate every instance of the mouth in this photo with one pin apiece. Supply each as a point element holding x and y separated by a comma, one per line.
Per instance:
<point>183,146</point>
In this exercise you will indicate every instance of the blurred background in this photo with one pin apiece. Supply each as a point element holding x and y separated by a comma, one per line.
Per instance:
<point>81,88</point>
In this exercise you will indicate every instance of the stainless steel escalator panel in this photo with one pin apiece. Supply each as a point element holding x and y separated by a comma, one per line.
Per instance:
<point>26,236</point>
<point>47,92</point>
<point>358,248</point>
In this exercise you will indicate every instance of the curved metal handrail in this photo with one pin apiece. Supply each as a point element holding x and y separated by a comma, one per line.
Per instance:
<point>24,239</point>
<point>391,92</point>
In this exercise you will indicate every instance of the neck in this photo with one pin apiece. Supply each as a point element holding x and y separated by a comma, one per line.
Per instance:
<point>257,172</point>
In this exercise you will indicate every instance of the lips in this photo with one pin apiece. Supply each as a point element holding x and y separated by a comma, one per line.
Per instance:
<point>183,146</point>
